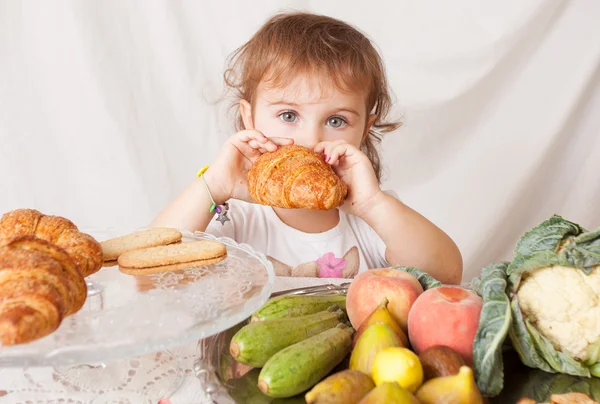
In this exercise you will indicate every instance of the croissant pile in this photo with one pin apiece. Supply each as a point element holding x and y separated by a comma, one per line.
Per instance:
<point>43,263</point>
<point>295,177</point>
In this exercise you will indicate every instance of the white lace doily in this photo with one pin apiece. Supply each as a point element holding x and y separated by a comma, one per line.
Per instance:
<point>142,380</point>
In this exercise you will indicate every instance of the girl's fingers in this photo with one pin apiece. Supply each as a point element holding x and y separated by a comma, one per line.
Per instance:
<point>273,143</point>
<point>246,135</point>
<point>250,143</point>
<point>256,140</point>
<point>334,150</point>
<point>256,145</point>
<point>269,146</point>
<point>335,153</point>
<point>255,152</point>
<point>320,148</point>
<point>266,146</point>
<point>326,148</point>
<point>282,141</point>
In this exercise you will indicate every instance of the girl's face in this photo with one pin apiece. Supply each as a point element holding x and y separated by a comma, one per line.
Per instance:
<point>309,112</point>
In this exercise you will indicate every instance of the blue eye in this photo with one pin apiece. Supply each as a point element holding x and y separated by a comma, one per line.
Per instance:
<point>288,117</point>
<point>337,122</point>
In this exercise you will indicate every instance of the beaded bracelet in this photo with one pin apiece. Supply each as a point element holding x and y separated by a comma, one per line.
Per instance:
<point>221,210</point>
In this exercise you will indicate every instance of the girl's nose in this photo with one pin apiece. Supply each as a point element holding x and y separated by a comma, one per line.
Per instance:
<point>311,137</point>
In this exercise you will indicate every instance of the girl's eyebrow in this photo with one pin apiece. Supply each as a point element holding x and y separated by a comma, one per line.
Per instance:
<point>283,102</point>
<point>294,105</point>
<point>349,110</point>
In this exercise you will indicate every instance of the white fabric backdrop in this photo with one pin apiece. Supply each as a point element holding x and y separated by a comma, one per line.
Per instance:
<point>107,109</point>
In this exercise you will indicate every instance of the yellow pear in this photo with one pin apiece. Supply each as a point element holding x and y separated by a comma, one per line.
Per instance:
<point>457,389</point>
<point>389,393</point>
<point>345,387</point>
<point>376,338</point>
<point>381,315</point>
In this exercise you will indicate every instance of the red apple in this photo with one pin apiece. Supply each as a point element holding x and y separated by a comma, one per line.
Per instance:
<point>368,289</point>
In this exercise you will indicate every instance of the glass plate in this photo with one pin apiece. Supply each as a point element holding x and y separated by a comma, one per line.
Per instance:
<point>126,316</point>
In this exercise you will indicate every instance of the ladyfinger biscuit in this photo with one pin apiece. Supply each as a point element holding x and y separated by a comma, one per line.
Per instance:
<point>173,254</point>
<point>114,247</point>
<point>168,268</point>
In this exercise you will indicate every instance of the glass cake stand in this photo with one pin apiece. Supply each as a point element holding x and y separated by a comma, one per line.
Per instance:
<point>126,316</point>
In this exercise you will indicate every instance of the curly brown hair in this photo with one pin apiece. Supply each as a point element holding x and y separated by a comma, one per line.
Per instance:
<point>294,43</point>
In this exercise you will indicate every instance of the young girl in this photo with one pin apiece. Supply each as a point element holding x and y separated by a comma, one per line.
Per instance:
<point>317,82</point>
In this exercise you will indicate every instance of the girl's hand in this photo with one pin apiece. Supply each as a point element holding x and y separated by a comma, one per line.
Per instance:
<point>227,177</point>
<point>355,169</point>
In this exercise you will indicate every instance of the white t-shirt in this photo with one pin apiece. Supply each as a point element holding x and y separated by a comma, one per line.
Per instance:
<point>341,252</point>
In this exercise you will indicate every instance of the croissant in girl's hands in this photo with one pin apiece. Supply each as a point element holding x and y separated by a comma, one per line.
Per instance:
<point>295,177</point>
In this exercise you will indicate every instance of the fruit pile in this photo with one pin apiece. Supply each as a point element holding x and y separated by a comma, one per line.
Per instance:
<point>397,337</point>
<point>400,336</point>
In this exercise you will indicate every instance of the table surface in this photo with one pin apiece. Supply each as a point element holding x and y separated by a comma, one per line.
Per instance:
<point>128,383</point>
<point>133,382</point>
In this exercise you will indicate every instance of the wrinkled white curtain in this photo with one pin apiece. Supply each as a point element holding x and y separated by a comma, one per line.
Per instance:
<point>108,108</point>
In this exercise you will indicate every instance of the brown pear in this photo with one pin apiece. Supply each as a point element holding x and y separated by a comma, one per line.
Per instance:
<point>346,387</point>
<point>440,361</point>
<point>381,315</point>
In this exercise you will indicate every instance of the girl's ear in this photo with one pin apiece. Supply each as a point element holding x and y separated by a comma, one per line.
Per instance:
<point>246,112</point>
<point>368,126</point>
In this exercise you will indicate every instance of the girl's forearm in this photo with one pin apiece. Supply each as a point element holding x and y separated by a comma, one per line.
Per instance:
<point>412,240</point>
<point>190,210</point>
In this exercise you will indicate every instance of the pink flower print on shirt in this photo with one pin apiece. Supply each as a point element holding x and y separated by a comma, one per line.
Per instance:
<point>331,267</point>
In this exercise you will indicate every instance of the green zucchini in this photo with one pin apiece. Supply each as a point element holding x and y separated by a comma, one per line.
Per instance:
<point>299,367</point>
<point>294,306</point>
<point>256,342</point>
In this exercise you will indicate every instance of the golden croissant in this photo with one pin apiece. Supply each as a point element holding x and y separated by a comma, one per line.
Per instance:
<point>295,177</point>
<point>85,250</point>
<point>43,262</point>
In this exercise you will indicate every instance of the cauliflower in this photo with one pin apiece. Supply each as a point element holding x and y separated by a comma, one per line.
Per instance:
<point>546,300</point>
<point>563,304</point>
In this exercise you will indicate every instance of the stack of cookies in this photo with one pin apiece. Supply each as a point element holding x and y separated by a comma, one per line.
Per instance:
<point>160,250</point>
